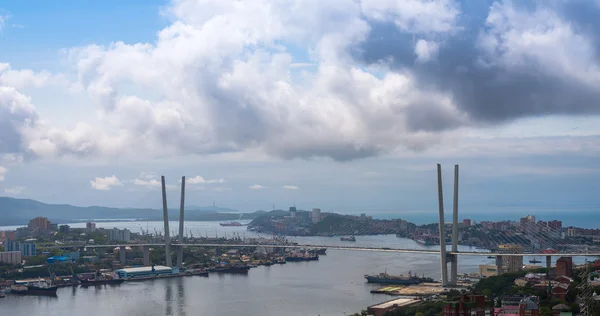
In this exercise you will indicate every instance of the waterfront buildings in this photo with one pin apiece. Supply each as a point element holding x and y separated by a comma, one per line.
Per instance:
<point>8,235</point>
<point>119,234</point>
<point>11,257</point>
<point>27,249</point>
<point>488,270</point>
<point>467,305</point>
<point>40,223</point>
<point>64,229</point>
<point>90,227</point>
<point>564,266</point>
<point>316,215</point>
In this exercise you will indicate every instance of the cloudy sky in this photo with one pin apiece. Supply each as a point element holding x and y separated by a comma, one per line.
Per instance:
<point>345,105</point>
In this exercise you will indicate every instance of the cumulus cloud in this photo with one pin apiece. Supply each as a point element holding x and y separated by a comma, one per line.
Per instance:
<point>153,184</point>
<point>106,183</point>
<point>201,180</point>
<point>257,187</point>
<point>27,78</point>
<point>16,190</point>
<point>290,187</point>
<point>381,75</point>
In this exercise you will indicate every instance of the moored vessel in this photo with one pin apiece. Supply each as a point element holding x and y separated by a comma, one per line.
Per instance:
<point>351,238</point>
<point>384,278</point>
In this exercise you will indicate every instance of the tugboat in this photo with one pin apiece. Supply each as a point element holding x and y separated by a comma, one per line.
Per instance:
<point>351,238</point>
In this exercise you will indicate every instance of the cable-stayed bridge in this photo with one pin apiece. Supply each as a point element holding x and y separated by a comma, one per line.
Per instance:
<point>500,240</point>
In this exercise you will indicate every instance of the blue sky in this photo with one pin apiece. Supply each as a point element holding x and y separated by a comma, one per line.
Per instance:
<point>344,107</point>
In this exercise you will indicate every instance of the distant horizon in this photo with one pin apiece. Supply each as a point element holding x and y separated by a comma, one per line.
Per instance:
<point>588,215</point>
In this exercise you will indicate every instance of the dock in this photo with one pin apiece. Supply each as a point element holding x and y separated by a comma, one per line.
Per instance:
<point>423,289</point>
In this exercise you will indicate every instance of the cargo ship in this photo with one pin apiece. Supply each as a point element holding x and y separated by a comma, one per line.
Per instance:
<point>384,278</point>
<point>39,288</point>
<point>231,224</point>
<point>101,279</point>
<point>306,256</point>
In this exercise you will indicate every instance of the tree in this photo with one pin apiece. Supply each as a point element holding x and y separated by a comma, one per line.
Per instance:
<point>545,311</point>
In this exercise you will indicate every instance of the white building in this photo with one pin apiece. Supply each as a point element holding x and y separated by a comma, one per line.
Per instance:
<point>119,234</point>
<point>316,215</point>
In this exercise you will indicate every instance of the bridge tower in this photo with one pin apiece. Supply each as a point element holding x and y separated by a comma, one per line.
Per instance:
<point>442,229</point>
<point>446,258</point>
<point>454,257</point>
<point>181,209</point>
<point>166,221</point>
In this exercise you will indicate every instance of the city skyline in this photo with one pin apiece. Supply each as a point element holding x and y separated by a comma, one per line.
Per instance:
<point>350,114</point>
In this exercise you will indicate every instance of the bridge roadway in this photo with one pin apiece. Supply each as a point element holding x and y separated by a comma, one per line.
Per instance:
<point>351,248</point>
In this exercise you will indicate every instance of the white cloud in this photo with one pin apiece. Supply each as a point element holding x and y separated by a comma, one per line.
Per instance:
<point>415,16</point>
<point>148,175</point>
<point>3,18</point>
<point>18,26</point>
<point>257,187</point>
<point>201,180</point>
<point>153,184</point>
<point>515,38</point>
<point>228,66</point>
<point>27,78</point>
<point>426,50</point>
<point>106,183</point>
<point>221,189</point>
<point>290,187</point>
<point>16,190</point>
<point>3,172</point>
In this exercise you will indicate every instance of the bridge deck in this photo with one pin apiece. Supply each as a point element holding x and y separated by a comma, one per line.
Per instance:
<point>351,248</point>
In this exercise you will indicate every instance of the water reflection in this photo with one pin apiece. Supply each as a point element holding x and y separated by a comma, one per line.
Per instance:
<point>168,298</point>
<point>181,297</point>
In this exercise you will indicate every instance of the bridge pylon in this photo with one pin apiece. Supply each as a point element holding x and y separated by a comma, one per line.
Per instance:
<point>446,258</point>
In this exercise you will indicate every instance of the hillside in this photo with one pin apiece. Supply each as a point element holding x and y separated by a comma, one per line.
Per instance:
<point>20,211</point>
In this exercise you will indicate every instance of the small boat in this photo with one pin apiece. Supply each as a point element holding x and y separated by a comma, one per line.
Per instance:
<point>351,238</point>
<point>534,261</point>
<point>491,257</point>
<point>281,260</point>
<point>231,224</point>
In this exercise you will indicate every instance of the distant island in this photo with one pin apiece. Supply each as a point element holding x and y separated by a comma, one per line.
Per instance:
<point>304,223</point>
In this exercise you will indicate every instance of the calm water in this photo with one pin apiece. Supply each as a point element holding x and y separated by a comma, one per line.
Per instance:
<point>334,285</point>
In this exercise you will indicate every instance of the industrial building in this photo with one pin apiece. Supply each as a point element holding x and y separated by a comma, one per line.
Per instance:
<point>145,271</point>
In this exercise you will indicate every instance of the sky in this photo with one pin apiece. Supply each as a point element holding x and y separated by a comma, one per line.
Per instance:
<point>345,105</point>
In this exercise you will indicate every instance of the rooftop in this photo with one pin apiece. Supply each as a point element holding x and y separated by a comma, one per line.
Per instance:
<point>398,302</point>
<point>144,269</point>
